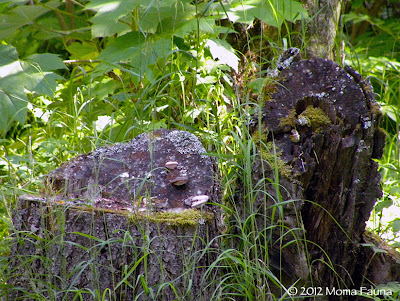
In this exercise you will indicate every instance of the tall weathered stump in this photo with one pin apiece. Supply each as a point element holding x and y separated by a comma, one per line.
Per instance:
<point>324,124</point>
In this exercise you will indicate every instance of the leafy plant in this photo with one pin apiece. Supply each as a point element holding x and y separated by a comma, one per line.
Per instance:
<point>375,53</point>
<point>34,73</point>
<point>75,75</point>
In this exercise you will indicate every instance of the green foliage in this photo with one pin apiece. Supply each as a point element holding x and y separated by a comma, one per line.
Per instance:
<point>248,271</point>
<point>138,42</point>
<point>35,74</point>
<point>22,15</point>
<point>75,75</point>
<point>374,50</point>
<point>273,13</point>
<point>79,74</point>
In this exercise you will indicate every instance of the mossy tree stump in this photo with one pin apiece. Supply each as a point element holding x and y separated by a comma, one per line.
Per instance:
<point>324,123</point>
<point>121,225</point>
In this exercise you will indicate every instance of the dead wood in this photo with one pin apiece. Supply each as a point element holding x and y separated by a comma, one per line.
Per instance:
<point>128,221</point>
<point>324,123</point>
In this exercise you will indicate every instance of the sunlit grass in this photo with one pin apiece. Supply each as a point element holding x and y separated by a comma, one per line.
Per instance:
<point>191,88</point>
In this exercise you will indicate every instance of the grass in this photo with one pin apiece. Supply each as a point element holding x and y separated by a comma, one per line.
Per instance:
<point>191,91</point>
<point>242,269</point>
<point>244,274</point>
<point>384,74</point>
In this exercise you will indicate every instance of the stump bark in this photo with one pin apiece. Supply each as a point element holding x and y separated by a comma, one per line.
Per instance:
<point>121,226</point>
<point>324,122</point>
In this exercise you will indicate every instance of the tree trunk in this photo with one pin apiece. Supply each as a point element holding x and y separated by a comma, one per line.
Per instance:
<point>129,221</point>
<point>322,28</point>
<point>324,122</point>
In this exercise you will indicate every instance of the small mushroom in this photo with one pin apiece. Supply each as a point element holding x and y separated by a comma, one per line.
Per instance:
<point>199,200</point>
<point>171,164</point>
<point>295,137</point>
<point>179,180</point>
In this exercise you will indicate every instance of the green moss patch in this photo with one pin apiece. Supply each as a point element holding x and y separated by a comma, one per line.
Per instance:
<point>284,169</point>
<point>290,120</point>
<point>316,117</point>
<point>269,87</point>
<point>186,218</point>
<point>265,147</point>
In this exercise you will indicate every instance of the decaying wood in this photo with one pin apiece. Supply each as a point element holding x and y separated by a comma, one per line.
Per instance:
<point>67,249</point>
<point>129,221</point>
<point>324,123</point>
<point>134,175</point>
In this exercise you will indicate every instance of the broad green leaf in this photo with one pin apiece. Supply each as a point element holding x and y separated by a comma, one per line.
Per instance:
<point>275,12</point>
<point>14,2</point>
<point>10,69</point>
<point>81,34</point>
<point>46,61</point>
<point>122,48</point>
<point>23,15</point>
<point>268,13</point>
<point>204,25</point>
<point>107,29</point>
<point>135,50</point>
<point>392,112</point>
<point>164,16</point>
<point>15,19</point>
<point>224,52</point>
<point>8,54</point>
<point>240,13</point>
<point>256,84</point>
<point>3,5</point>
<point>395,191</point>
<point>112,9</point>
<point>385,203</point>
<point>103,89</point>
<point>42,83</point>
<point>395,224</point>
<point>271,12</point>
<point>83,51</point>
<point>291,10</point>
<point>167,19</point>
<point>37,76</point>
<point>12,107</point>
<point>207,25</point>
<point>33,74</point>
<point>109,12</point>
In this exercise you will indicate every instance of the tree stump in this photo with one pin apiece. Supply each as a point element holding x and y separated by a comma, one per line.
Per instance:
<point>129,222</point>
<point>324,123</point>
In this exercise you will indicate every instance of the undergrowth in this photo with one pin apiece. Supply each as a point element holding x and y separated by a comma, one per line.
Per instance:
<point>116,72</point>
